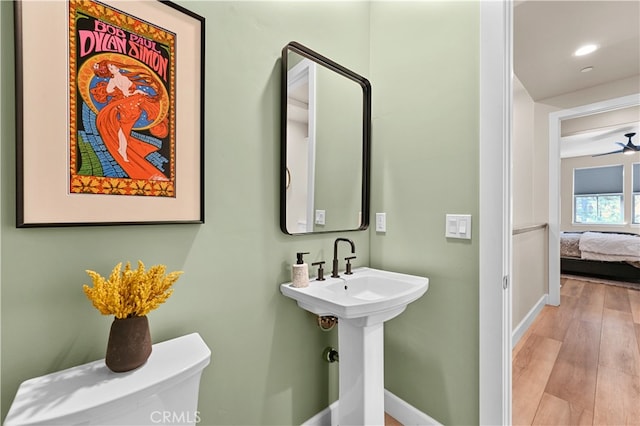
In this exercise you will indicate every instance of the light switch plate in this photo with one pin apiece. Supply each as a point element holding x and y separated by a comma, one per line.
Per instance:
<point>458,226</point>
<point>381,222</point>
<point>320,216</point>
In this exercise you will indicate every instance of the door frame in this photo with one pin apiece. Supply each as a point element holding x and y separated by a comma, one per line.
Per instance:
<point>496,71</point>
<point>304,72</point>
<point>555,122</point>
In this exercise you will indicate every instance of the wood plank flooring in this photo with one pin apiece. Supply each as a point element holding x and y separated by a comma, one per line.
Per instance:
<point>390,421</point>
<point>579,363</point>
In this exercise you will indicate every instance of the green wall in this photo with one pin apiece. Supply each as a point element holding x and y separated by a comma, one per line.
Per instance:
<point>425,139</point>
<point>422,60</point>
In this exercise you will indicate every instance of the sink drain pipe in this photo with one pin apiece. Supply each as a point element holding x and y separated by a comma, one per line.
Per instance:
<point>330,355</point>
<point>326,323</point>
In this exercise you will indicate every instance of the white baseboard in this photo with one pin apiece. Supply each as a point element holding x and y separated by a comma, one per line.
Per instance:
<point>397,408</point>
<point>405,413</point>
<point>528,320</point>
<point>326,417</point>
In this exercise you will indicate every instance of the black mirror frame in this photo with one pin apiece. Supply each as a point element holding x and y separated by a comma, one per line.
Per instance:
<point>366,133</point>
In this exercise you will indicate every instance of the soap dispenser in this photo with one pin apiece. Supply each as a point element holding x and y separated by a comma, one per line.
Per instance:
<point>300,272</point>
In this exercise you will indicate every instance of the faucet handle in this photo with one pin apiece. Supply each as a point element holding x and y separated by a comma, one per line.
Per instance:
<point>320,270</point>
<point>348,259</point>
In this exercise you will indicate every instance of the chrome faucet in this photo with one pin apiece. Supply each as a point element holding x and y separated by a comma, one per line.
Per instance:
<point>334,271</point>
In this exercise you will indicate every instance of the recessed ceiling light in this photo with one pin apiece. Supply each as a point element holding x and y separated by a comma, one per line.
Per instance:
<point>586,69</point>
<point>585,50</point>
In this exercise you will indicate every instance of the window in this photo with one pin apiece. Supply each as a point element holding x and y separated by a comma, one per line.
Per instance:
<point>636,194</point>
<point>598,195</point>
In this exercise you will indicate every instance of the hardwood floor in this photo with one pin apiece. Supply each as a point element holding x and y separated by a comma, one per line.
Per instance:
<point>390,421</point>
<point>579,363</point>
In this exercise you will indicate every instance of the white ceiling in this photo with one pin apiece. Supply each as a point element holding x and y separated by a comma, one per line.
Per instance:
<point>546,33</point>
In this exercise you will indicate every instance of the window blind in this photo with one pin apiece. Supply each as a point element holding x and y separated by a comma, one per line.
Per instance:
<point>598,180</point>
<point>636,177</point>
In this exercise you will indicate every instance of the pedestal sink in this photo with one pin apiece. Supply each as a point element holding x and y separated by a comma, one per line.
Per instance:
<point>362,302</point>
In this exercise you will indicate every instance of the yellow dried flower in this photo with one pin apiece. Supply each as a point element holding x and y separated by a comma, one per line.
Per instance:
<point>130,292</point>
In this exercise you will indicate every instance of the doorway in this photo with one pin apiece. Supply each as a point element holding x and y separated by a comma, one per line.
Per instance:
<point>555,121</point>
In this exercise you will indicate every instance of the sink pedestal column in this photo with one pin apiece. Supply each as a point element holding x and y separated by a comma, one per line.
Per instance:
<point>361,393</point>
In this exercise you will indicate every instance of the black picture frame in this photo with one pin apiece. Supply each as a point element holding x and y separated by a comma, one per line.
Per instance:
<point>51,81</point>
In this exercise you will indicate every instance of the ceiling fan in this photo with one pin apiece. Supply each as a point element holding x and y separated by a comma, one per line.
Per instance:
<point>628,148</point>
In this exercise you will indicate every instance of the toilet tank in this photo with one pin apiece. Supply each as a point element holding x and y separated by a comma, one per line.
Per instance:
<point>162,391</point>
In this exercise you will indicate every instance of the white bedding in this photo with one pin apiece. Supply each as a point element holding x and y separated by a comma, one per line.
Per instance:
<point>610,247</point>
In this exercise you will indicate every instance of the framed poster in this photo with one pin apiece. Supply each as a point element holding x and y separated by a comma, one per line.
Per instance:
<point>109,108</point>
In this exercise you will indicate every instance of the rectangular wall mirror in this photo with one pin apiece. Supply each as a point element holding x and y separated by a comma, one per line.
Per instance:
<point>325,140</point>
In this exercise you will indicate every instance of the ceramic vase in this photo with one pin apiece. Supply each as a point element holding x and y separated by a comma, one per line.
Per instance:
<point>129,344</point>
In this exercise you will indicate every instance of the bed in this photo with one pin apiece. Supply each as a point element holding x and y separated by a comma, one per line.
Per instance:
<point>610,255</point>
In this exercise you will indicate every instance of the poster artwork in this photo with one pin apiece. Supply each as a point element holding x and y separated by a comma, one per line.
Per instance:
<point>122,103</point>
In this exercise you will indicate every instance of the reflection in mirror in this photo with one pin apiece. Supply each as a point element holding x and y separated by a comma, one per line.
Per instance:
<point>326,114</point>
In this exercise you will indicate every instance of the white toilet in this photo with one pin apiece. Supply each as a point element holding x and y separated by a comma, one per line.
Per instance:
<point>163,391</point>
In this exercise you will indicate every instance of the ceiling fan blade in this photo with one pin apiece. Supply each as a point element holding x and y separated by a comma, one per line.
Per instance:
<point>624,145</point>
<point>607,153</point>
<point>629,146</point>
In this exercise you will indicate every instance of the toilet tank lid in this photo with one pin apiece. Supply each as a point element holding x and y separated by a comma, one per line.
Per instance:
<point>92,385</point>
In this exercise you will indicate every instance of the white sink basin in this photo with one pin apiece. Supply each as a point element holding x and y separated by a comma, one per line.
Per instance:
<point>362,302</point>
<point>372,295</point>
